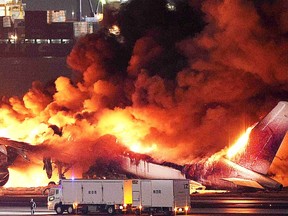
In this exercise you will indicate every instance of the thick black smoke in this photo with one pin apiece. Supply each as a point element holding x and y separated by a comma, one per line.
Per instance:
<point>207,69</point>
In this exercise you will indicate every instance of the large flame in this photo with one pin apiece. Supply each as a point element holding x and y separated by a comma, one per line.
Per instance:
<point>32,177</point>
<point>239,146</point>
<point>235,149</point>
<point>128,130</point>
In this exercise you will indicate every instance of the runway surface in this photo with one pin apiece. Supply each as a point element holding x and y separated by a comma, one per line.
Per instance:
<point>201,204</point>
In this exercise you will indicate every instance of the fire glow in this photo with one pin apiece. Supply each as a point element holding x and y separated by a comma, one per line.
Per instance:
<point>236,149</point>
<point>239,146</point>
<point>128,130</point>
<point>33,176</point>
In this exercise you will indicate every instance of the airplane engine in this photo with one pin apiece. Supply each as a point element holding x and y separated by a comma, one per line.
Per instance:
<point>4,173</point>
<point>4,176</point>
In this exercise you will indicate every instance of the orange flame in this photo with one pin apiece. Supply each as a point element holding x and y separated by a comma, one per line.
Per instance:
<point>240,145</point>
<point>128,131</point>
<point>32,177</point>
<point>237,148</point>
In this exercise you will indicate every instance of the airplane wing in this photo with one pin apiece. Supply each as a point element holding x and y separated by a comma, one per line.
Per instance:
<point>20,147</point>
<point>244,182</point>
<point>15,144</point>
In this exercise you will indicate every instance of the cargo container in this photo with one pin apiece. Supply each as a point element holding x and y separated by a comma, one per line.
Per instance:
<point>56,16</point>
<point>35,19</point>
<point>61,30</point>
<point>80,29</point>
<point>85,196</point>
<point>160,196</point>
<point>7,22</point>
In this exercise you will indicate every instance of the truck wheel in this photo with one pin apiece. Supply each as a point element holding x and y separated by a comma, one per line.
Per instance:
<point>59,209</point>
<point>137,212</point>
<point>169,213</point>
<point>70,210</point>
<point>84,210</point>
<point>110,210</point>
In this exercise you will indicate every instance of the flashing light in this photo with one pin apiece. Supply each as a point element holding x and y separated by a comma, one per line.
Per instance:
<point>13,38</point>
<point>171,7</point>
<point>176,209</point>
<point>99,16</point>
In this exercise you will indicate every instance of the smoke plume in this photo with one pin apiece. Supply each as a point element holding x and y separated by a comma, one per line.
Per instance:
<point>179,83</point>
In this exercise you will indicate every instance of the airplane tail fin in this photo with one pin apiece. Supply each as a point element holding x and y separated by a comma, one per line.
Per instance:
<point>265,140</point>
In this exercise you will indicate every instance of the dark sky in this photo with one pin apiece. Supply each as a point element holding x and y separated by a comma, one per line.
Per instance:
<point>17,74</point>
<point>67,5</point>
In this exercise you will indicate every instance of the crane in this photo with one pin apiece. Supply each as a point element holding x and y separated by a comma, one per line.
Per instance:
<point>98,11</point>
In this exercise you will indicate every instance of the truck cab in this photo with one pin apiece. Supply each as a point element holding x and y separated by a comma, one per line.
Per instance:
<point>55,202</point>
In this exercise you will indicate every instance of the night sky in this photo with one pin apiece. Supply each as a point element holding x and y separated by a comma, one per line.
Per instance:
<point>18,74</point>
<point>67,5</point>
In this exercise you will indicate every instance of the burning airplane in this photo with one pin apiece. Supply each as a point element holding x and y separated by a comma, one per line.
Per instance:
<point>9,151</point>
<point>247,166</point>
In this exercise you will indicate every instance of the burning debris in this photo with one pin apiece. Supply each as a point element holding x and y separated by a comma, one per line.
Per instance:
<point>176,97</point>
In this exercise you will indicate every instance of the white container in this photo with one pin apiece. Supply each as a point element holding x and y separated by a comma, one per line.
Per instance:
<point>161,196</point>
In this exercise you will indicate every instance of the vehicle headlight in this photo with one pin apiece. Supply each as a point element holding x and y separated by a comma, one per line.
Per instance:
<point>51,198</point>
<point>75,205</point>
